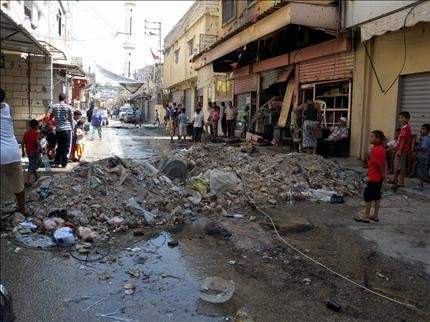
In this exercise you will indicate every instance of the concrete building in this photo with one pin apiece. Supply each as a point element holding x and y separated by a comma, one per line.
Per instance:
<point>194,32</point>
<point>392,66</point>
<point>34,37</point>
<point>285,49</point>
<point>129,44</point>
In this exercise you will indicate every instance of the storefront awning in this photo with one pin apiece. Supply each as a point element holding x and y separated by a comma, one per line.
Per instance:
<point>310,15</point>
<point>16,38</point>
<point>408,17</point>
<point>129,84</point>
<point>71,69</point>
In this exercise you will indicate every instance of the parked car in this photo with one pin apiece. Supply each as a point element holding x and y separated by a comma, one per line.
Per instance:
<point>105,117</point>
<point>129,116</point>
<point>123,111</point>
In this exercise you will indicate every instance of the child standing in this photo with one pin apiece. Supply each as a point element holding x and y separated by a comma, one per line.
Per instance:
<point>402,150</point>
<point>375,177</point>
<point>79,147</point>
<point>423,155</point>
<point>183,120</point>
<point>30,148</point>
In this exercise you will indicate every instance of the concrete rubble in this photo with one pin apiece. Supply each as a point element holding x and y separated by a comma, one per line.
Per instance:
<point>112,195</point>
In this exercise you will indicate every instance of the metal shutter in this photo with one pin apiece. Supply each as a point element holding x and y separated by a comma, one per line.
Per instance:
<point>326,68</point>
<point>415,98</point>
<point>246,84</point>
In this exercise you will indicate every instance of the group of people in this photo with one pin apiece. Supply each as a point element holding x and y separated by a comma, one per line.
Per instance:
<point>177,121</point>
<point>310,115</point>
<point>402,149</point>
<point>58,135</point>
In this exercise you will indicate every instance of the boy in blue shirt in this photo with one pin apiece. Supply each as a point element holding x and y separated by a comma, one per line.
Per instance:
<point>423,155</point>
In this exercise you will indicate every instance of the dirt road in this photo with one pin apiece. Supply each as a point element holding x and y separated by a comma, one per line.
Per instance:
<point>273,283</point>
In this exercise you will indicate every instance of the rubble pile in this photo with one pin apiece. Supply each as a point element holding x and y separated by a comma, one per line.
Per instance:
<point>271,178</point>
<point>116,194</point>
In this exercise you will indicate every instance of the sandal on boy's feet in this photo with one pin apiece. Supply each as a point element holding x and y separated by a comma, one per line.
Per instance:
<point>374,219</point>
<point>360,218</point>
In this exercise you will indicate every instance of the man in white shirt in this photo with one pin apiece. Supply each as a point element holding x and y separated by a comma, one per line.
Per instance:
<point>11,177</point>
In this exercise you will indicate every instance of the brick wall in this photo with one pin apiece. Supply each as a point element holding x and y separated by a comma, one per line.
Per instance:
<point>14,81</point>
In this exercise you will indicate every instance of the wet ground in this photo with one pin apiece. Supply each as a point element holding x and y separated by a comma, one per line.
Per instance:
<point>273,283</point>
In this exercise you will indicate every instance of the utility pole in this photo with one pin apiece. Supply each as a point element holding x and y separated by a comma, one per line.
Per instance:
<point>153,29</point>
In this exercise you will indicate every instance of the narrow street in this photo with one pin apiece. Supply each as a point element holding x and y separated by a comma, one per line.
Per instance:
<point>270,278</point>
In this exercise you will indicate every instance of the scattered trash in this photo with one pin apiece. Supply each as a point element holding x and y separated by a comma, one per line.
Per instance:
<point>129,289</point>
<point>86,234</point>
<point>306,280</point>
<point>221,181</point>
<point>332,305</point>
<point>64,236</point>
<point>50,224</point>
<point>149,218</point>
<point>217,289</point>
<point>135,272</point>
<point>325,195</point>
<point>231,262</point>
<point>36,241</point>
<point>199,183</point>
<point>196,198</point>
<point>27,225</point>
<point>172,243</point>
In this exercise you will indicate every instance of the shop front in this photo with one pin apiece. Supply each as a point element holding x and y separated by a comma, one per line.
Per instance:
<point>245,99</point>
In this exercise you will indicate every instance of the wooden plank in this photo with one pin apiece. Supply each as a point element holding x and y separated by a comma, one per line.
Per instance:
<point>286,104</point>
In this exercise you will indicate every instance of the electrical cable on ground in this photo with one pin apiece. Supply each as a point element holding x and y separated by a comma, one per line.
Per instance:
<point>255,205</point>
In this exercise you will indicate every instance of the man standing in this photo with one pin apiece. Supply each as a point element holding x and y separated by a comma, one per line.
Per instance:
<point>96,122</point>
<point>11,176</point>
<point>63,118</point>
<point>174,121</point>
<point>231,114</point>
<point>223,120</point>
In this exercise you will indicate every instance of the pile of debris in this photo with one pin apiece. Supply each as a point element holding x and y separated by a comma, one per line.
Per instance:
<point>116,194</point>
<point>274,178</point>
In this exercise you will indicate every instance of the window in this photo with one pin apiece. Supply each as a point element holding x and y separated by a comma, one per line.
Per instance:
<point>191,46</point>
<point>176,56</point>
<point>59,22</point>
<point>228,10</point>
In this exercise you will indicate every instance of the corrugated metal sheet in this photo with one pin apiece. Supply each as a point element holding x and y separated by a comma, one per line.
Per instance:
<point>326,68</point>
<point>415,98</point>
<point>246,84</point>
<point>270,77</point>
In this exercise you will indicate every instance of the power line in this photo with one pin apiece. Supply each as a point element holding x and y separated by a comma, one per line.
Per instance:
<point>385,91</point>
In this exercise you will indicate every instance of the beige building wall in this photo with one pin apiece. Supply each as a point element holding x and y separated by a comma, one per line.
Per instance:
<point>372,109</point>
<point>16,81</point>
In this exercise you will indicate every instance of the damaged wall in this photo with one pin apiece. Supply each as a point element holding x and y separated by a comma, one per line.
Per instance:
<point>15,81</point>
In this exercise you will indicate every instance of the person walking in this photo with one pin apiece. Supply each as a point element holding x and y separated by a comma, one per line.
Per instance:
<point>157,118</point>
<point>11,175</point>
<point>231,114</point>
<point>138,116</point>
<point>63,119</point>
<point>174,121</point>
<point>90,112</point>
<point>96,123</point>
<point>311,112</point>
<point>198,122</point>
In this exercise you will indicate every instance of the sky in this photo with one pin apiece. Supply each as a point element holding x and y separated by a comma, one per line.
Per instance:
<point>95,23</point>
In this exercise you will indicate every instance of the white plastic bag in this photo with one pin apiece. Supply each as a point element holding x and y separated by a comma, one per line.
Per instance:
<point>221,181</point>
<point>64,236</point>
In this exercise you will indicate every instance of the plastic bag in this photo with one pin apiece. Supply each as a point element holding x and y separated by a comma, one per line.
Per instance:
<point>221,181</point>
<point>149,218</point>
<point>200,184</point>
<point>64,236</point>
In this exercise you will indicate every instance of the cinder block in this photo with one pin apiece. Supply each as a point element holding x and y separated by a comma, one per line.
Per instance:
<point>43,96</point>
<point>43,66</point>
<point>21,94</point>
<point>14,102</point>
<point>20,80</point>
<point>44,81</point>
<point>7,79</point>
<point>36,59</point>
<point>36,102</point>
